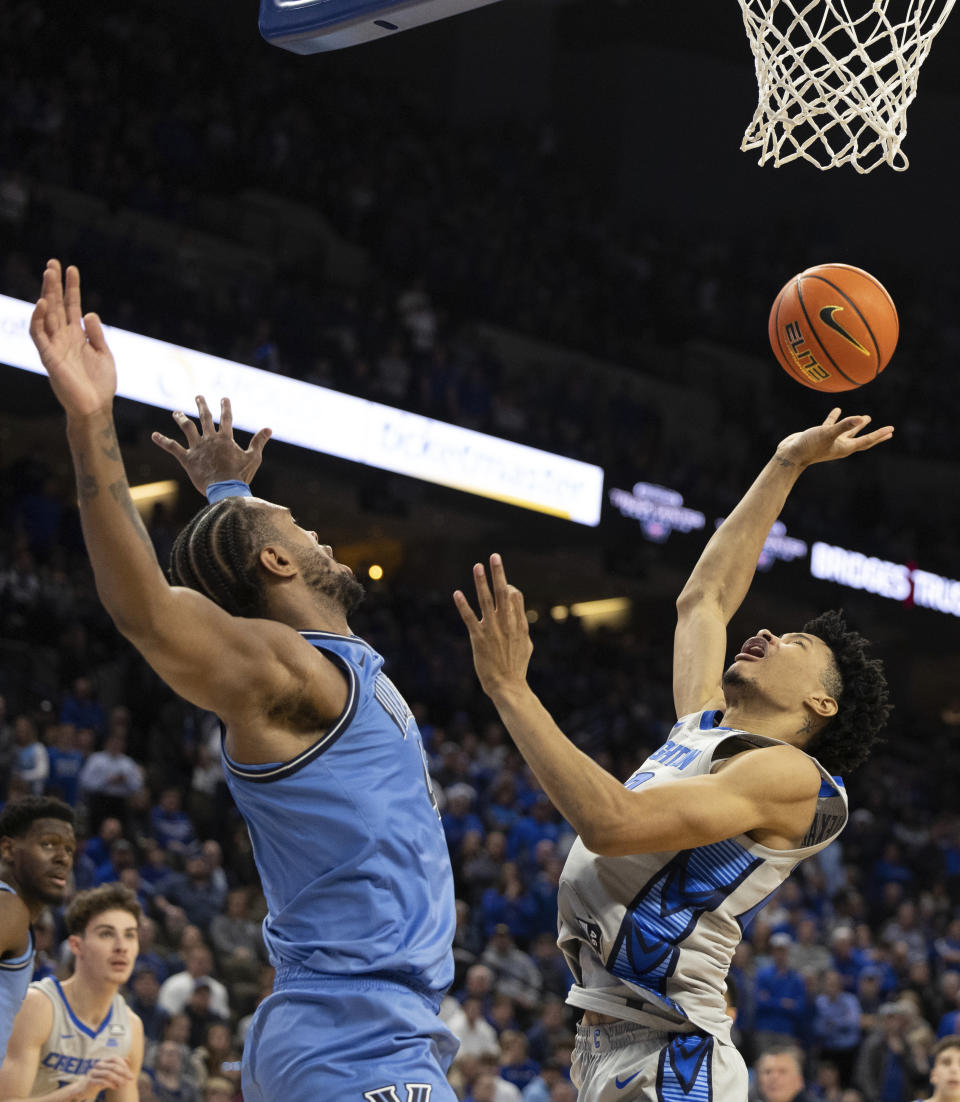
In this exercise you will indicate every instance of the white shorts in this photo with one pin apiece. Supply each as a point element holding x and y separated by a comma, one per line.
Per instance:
<point>625,1062</point>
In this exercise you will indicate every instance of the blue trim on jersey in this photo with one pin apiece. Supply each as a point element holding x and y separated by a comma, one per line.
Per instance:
<point>273,771</point>
<point>685,1071</point>
<point>710,721</point>
<point>94,1033</point>
<point>669,906</point>
<point>745,919</point>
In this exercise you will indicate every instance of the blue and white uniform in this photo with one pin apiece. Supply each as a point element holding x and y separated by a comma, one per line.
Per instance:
<point>72,1047</point>
<point>356,874</point>
<point>649,937</point>
<point>15,975</point>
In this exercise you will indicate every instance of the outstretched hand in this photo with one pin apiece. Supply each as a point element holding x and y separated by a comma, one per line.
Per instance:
<point>834,439</point>
<point>212,454</point>
<point>72,346</point>
<point>500,639</point>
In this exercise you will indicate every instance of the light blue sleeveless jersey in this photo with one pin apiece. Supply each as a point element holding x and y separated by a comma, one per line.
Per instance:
<point>348,841</point>
<point>15,976</point>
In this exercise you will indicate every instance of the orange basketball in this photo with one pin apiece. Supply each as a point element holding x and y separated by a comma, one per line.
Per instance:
<point>833,327</point>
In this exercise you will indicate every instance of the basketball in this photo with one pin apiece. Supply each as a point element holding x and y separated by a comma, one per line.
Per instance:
<point>833,327</point>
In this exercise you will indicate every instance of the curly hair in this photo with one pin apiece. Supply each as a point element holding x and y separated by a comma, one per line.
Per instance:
<point>18,816</point>
<point>107,897</point>
<point>859,685</point>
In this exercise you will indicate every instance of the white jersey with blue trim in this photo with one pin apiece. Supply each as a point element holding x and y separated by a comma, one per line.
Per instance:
<point>348,841</point>
<point>72,1047</point>
<point>15,975</point>
<point>649,937</point>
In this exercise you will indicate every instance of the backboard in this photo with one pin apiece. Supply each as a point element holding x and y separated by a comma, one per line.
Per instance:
<point>312,26</point>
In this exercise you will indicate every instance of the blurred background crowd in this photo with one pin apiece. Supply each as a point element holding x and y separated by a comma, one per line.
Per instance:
<point>467,268</point>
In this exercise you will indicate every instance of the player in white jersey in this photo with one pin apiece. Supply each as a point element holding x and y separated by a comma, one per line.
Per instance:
<point>670,868</point>
<point>945,1070</point>
<point>78,1040</point>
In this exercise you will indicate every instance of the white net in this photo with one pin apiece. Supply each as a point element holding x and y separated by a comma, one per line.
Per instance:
<point>836,80</point>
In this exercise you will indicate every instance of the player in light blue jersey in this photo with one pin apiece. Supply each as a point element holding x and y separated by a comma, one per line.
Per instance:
<point>670,868</point>
<point>322,754</point>
<point>36,858</point>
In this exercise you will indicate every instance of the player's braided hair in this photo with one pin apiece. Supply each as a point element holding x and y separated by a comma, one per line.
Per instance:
<point>859,686</point>
<point>216,554</point>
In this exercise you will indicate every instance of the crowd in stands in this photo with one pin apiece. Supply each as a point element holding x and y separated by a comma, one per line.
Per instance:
<point>488,223</point>
<point>856,961</point>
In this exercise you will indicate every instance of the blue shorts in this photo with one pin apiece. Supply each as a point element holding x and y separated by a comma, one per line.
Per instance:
<point>319,1038</point>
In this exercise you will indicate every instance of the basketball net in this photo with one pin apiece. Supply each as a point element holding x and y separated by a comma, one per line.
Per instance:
<point>835,86</point>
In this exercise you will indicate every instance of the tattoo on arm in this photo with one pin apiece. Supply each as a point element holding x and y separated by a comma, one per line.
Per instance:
<point>784,462</point>
<point>87,485</point>
<point>121,494</point>
<point>111,446</point>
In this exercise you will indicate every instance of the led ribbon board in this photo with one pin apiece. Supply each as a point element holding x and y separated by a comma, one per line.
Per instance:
<point>322,420</point>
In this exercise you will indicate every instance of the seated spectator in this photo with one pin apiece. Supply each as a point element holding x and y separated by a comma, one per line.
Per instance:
<point>169,1069</point>
<point>552,965</point>
<point>142,1000</point>
<point>150,956</point>
<point>808,954</point>
<point>540,1086</point>
<point>548,1030</point>
<point>779,1075</point>
<point>171,825</point>
<point>540,823</point>
<point>836,1025</point>
<point>887,1066</point>
<point>236,939</point>
<point>198,1010</point>
<point>510,904</point>
<point>218,1089</point>
<point>213,852</point>
<point>847,958</point>
<point>154,869</point>
<point>177,990</point>
<point>195,893</point>
<point>459,819</point>
<point>781,998</point>
<point>97,848</point>
<point>515,1063</point>
<point>475,1033</point>
<point>514,971</point>
<point>31,762</point>
<point>947,948</point>
<point>80,707</point>
<point>122,857</point>
<point>481,870</point>
<point>66,761</point>
<point>108,777</point>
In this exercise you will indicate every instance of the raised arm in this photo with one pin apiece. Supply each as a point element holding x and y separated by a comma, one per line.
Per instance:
<point>767,791</point>
<point>181,633</point>
<point>720,580</point>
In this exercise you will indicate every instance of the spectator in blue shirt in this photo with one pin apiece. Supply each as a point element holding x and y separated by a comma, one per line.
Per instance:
<point>836,1025</point>
<point>66,760</point>
<point>848,960</point>
<point>80,707</point>
<point>458,819</point>
<point>781,997</point>
<point>171,825</point>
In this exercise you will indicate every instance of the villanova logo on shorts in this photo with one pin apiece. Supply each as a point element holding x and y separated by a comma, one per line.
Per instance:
<point>416,1092</point>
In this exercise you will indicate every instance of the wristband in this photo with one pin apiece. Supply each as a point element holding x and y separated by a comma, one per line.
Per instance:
<point>232,487</point>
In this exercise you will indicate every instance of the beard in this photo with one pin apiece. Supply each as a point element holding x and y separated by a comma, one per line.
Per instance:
<point>338,586</point>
